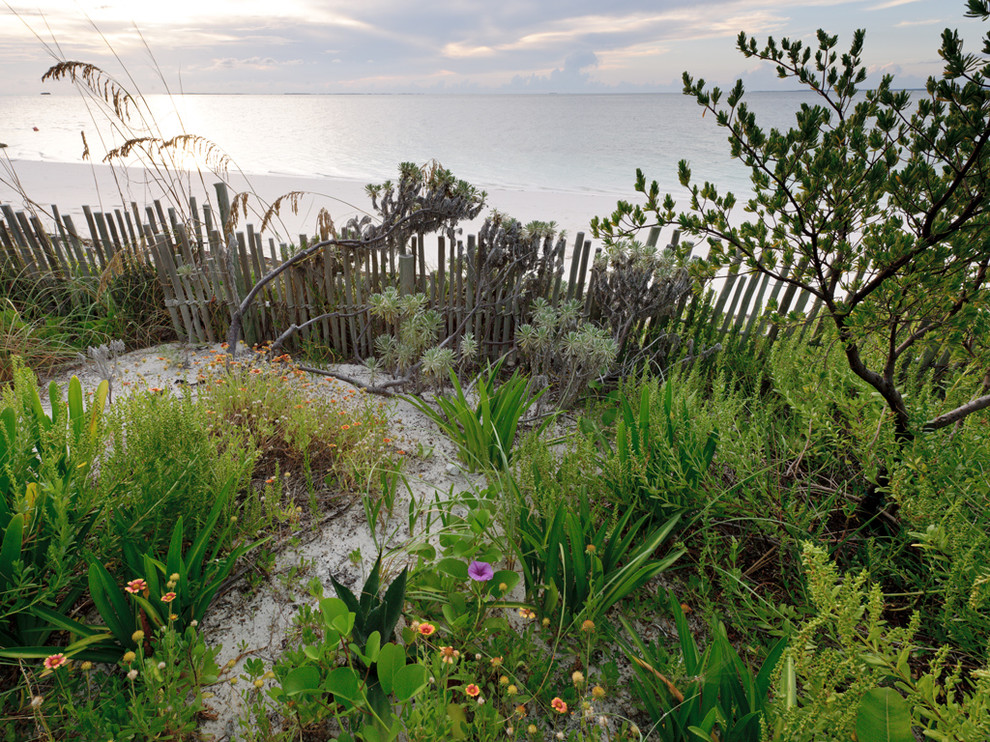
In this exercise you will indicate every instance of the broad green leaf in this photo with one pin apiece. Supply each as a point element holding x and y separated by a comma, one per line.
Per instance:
<point>456,714</point>
<point>301,680</point>
<point>883,716</point>
<point>456,568</point>
<point>333,610</point>
<point>10,547</point>
<point>391,659</point>
<point>373,647</point>
<point>345,684</point>
<point>312,652</point>
<point>409,680</point>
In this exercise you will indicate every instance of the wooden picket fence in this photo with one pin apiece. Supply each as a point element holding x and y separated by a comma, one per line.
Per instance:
<point>205,275</point>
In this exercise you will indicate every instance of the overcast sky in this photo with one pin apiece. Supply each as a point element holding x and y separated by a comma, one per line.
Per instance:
<point>367,46</point>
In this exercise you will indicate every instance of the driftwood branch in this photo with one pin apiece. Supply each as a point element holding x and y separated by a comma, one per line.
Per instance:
<point>385,389</point>
<point>376,238</point>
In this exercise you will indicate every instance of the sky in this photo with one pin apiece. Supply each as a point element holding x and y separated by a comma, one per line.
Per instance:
<point>458,46</point>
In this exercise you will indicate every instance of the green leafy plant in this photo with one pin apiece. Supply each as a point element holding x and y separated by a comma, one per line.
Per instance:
<point>44,518</point>
<point>182,584</point>
<point>716,695</point>
<point>575,569</point>
<point>660,457</point>
<point>34,443</point>
<point>564,350</point>
<point>139,696</point>
<point>484,433</point>
<point>337,676</point>
<point>38,584</point>
<point>374,612</point>
<point>847,670</point>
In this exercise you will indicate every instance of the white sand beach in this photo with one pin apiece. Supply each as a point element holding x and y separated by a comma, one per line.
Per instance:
<point>69,186</point>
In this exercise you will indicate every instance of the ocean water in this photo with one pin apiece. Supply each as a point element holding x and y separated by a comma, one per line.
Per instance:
<point>561,143</point>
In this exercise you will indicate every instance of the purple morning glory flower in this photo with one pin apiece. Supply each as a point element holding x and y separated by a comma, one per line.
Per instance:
<point>480,571</point>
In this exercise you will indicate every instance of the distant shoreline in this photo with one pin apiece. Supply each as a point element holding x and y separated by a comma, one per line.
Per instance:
<point>70,186</point>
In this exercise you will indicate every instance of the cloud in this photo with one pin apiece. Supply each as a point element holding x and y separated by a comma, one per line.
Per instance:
<point>565,45</point>
<point>892,4</point>
<point>928,22</point>
<point>251,63</point>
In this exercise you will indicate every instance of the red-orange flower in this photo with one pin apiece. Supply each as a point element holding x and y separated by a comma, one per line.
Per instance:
<point>426,629</point>
<point>168,597</point>
<point>559,705</point>
<point>55,661</point>
<point>472,690</point>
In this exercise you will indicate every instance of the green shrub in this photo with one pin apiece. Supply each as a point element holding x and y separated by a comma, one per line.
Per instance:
<point>847,660</point>
<point>663,450</point>
<point>164,462</point>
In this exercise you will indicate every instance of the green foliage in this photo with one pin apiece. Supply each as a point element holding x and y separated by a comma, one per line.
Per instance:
<point>162,701</point>
<point>486,433</point>
<point>180,585</point>
<point>374,613</point>
<point>327,678</point>
<point>414,334</point>
<point>883,716</point>
<point>719,697</point>
<point>48,322</point>
<point>661,455</point>
<point>551,473</point>
<point>945,507</point>
<point>575,569</point>
<point>873,203</point>
<point>564,350</point>
<point>31,341</point>
<point>633,281</point>
<point>45,517</point>
<point>164,463</point>
<point>839,659</point>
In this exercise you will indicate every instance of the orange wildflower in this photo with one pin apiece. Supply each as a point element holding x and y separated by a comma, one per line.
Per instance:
<point>426,629</point>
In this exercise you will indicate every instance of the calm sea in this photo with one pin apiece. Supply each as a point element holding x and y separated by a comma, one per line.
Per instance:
<point>563,143</point>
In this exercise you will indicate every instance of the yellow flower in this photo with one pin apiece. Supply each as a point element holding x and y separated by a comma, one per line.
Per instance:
<point>577,677</point>
<point>598,693</point>
<point>129,657</point>
<point>511,690</point>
